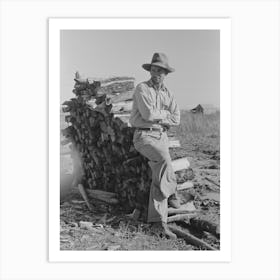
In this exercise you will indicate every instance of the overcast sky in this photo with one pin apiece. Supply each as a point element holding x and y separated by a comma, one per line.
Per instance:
<point>195,55</point>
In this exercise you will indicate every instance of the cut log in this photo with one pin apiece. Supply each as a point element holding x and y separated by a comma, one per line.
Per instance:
<point>77,75</point>
<point>184,209</point>
<point>204,225</point>
<point>123,106</point>
<point>122,115</point>
<point>103,197</point>
<point>180,164</point>
<point>185,185</point>
<point>124,118</point>
<point>181,217</point>
<point>174,211</point>
<point>81,80</point>
<point>213,182</point>
<point>119,97</point>
<point>107,81</point>
<point>191,239</point>
<point>84,196</point>
<point>92,103</point>
<point>134,215</point>
<point>115,86</point>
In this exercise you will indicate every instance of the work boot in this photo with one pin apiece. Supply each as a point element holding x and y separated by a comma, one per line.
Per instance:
<point>174,201</point>
<point>161,229</point>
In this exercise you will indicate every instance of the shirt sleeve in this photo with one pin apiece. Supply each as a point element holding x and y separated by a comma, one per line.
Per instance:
<point>146,106</point>
<point>174,117</point>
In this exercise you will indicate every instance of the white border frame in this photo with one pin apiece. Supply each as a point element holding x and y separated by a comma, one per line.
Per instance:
<point>55,25</point>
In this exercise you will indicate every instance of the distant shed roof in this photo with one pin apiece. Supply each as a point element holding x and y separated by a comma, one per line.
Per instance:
<point>197,109</point>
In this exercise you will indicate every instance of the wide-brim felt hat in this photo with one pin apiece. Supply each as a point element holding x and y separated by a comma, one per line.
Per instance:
<point>161,60</point>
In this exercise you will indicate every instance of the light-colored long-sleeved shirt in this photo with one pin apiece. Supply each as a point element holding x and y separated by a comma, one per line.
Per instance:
<point>153,107</point>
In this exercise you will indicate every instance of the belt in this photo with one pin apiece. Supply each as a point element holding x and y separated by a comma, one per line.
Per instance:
<point>152,129</point>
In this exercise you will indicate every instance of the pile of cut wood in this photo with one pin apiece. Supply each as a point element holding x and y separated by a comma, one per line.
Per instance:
<point>99,130</point>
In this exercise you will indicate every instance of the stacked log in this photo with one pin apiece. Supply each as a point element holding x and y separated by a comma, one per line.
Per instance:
<point>99,129</point>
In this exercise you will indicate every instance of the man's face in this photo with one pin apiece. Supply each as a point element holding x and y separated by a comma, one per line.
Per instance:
<point>157,74</point>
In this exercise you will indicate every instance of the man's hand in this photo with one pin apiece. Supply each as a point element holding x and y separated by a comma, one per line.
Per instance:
<point>164,124</point>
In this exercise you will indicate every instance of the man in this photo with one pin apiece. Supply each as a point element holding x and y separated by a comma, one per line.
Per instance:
<point>154,111</point>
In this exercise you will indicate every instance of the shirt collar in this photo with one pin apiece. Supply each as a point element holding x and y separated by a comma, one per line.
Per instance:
<point>151,84</point>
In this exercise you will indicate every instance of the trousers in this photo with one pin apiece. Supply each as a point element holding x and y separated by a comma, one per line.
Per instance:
<point>154,145</point>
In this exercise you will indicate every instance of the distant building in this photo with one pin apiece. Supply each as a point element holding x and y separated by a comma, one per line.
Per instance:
<point>198,109</point>
<point>206,109</point>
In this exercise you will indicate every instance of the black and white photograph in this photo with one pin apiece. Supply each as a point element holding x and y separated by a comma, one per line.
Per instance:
<point>140,140</point>
<point>132,144</point>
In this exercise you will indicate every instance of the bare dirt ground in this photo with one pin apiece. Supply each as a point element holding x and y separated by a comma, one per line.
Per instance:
<point>107,228</point>
<point>204,156</point>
